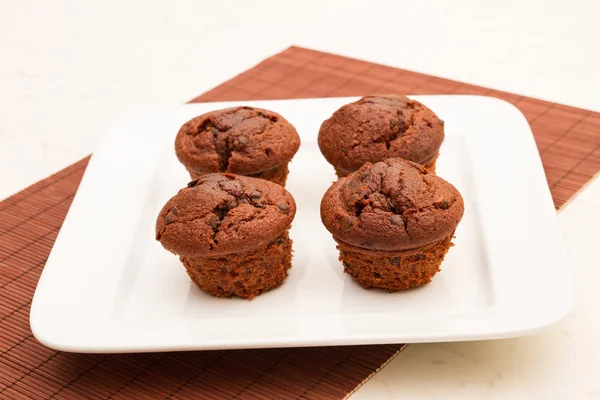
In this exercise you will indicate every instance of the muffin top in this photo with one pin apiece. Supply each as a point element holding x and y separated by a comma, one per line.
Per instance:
<point>375,128</point>
<point>240,140</point>
<point>220,214</point>
<point>391,205</point>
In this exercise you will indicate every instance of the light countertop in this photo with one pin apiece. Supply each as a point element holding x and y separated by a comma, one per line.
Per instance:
<point>68,69</point>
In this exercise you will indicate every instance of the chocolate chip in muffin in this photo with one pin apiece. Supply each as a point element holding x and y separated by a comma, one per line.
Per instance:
<point>443,205</point>
<point>170,218</point>
<point>254,194</point>
<point>283,207</point>
<point>232,187</point>
<point>346,222</point>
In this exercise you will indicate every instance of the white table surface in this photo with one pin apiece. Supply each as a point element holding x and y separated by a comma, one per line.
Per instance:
<point>69,68</point>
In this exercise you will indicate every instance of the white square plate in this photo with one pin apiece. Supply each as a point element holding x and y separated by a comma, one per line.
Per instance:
<point>109,286</point>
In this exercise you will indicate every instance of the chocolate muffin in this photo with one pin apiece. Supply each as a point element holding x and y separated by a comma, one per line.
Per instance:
<point>375,128</point>
<point>240,140</point>
<point>231,233</point>
<point>393,221</point>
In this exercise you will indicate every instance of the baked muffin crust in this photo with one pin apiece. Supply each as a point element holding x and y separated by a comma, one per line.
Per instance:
<point>375,128</point>
<point>239,140</point>
<point>391,205</point>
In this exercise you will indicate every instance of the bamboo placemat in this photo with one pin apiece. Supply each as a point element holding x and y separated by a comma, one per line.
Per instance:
<point>569,142</point>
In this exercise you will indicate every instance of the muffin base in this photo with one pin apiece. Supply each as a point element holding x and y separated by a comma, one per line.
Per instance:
<point>429,164</point>
<point>244,275</point>
<point>341,173</point>
<point>277,175</point>
<point>393,271</point>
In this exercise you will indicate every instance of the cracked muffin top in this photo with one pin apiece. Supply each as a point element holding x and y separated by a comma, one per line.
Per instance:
<point>391,205</point>
<point>220,214</point>
<point>240,140</point>
<point>375,128</point>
